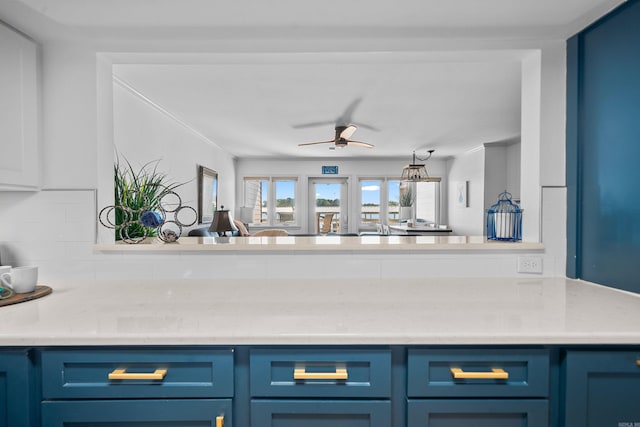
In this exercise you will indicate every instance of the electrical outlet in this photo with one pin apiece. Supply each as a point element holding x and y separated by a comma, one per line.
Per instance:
<point>530,264</point>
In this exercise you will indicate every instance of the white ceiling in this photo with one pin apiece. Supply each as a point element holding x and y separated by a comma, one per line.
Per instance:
<point>250,104</point>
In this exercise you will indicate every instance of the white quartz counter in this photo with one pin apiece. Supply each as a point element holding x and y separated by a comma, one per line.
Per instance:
<point>350,311</point>
<point>323,244</point>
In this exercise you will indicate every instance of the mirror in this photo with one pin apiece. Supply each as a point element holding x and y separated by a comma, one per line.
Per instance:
<point>207,194</point>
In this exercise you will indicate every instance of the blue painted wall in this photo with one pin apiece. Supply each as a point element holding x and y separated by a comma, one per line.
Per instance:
<point>603,150</point>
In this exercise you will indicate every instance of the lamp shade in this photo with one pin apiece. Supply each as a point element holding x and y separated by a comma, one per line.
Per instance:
<point>222,222</point>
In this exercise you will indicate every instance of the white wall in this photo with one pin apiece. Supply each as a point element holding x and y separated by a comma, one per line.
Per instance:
<point>502,171</point>
<point>469,167</point>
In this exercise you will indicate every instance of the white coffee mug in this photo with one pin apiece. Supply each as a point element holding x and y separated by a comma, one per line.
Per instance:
<point>21,280</point>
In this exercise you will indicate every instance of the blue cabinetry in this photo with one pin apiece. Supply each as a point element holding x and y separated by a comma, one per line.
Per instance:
<point>319,387</point>
<point>479,387</point>
<point>397,386</point>
<point>602,388</point>
<point>17,403</point>
<point>321,413</point>
<point>131,387</point>
<point>478,413</point>
<point>143,413</point>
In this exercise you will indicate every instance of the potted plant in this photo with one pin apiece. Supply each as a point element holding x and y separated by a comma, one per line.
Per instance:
<point>137,192</point>
<point>406,203</point>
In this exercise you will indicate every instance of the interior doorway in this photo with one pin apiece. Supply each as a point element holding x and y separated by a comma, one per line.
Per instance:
<point>328,210</point>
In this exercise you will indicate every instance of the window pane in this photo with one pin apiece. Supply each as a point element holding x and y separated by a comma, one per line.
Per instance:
<point>285,201</point>
<point>255,197</point>
<point>370,202</point>
<point>393,212</point>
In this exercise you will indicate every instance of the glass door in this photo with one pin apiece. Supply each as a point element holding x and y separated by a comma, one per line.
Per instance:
<point>328,205</point>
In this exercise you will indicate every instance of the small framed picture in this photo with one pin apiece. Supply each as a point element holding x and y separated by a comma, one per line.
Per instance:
<point>461,194</point>
<point>207,194</point>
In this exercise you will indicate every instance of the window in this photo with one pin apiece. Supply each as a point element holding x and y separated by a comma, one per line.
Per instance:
<point>285,195</point>
<point>370,196</point>
<point>272,200</point>
<point>380,201</point>
<point>393,201</point>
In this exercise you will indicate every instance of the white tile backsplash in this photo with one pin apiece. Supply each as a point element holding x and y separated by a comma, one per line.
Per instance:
<point>56,231</point>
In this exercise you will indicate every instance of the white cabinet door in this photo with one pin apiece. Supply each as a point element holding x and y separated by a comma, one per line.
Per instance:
<point>19,124</point>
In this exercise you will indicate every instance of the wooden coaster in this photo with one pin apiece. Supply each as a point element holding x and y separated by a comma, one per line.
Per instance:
<point>39,292</point>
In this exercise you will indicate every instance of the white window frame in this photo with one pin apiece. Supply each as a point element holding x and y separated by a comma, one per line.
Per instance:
<point>384,200</point>
<point>271,200</point>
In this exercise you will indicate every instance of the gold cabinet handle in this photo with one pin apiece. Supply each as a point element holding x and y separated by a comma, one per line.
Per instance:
<point>638,362</point>
<point>302,374</point>
<point>494,374</point>
<point>122,374</point>
<point>220,421</point>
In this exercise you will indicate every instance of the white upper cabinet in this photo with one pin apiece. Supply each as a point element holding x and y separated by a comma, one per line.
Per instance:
<point>19,115</point>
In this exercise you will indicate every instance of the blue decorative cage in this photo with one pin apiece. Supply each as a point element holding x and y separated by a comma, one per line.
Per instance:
<point>504,220</point>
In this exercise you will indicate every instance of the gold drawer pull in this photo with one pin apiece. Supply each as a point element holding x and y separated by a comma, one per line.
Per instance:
<point>220,421</point>
<point>302,374</point>
<point>495,374</point>
<point>638,362</point>
<point>122,374</point>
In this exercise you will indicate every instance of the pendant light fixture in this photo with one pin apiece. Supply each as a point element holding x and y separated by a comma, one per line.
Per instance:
<point>416,172</point>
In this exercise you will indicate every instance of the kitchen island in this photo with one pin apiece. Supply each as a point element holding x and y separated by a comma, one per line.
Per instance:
<point>251,352</point>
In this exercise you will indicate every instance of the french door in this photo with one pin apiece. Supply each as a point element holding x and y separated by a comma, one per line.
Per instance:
<point>328,205</point>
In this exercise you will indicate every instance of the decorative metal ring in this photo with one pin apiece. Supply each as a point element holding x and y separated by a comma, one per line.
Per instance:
<point>105,213</point>
<point>124,233</point>
<point>168,235</point>
<point>189,208</point>
<point>163,203</point>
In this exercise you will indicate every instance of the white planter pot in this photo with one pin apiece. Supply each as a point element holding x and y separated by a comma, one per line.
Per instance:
<point>405,212</point>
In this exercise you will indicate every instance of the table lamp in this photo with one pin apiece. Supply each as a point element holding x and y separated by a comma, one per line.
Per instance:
<point>222,222</point>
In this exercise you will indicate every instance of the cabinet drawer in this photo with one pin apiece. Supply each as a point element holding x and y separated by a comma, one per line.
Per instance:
<point>141,373</point>
<point>143,413</point>
<point>320,413</point>
<point>320,373</point>
<point>480,373</point>
<point>478,413</point>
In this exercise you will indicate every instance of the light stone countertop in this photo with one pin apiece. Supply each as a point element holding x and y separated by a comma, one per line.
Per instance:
<point>392,243</point>
<point>446,311</point>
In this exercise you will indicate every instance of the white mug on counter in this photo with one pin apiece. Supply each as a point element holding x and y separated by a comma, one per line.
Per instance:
<point>21,280</point>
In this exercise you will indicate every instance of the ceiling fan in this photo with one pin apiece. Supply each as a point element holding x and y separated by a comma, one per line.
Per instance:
<point>341,140</point>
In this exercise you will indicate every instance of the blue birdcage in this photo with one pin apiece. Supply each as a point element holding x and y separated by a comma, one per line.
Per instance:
<point>504,220</point>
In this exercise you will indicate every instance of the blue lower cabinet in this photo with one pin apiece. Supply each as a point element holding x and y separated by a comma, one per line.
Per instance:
<point>602,388</point>
<point>320,413</point>
<point>351,373</point>
<point>131,413</point>
<point>16,401</point>
<point>478,413</point>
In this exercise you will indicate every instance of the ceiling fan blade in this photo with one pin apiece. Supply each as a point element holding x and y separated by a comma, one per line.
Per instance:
<point>362,125</point>
<point>312,124</point>
<point>348,131</point>
<point>345,117</point>
<point>360,144</point>
<point>314,143</point>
